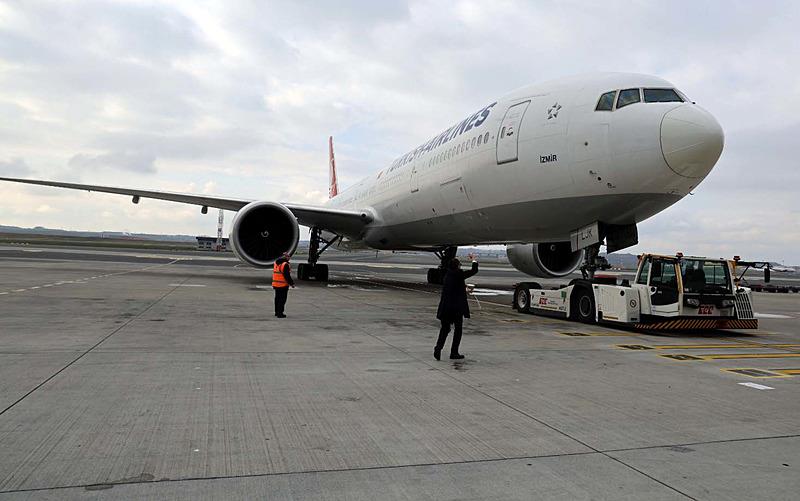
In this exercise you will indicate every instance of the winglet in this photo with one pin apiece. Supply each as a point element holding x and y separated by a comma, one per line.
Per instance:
<point>333,184</point>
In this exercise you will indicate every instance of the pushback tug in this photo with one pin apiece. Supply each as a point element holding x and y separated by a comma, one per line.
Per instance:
<point>668,293</point>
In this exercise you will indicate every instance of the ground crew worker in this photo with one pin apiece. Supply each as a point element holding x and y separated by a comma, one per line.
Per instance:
<point>453,307</point>
<point>281,281</point>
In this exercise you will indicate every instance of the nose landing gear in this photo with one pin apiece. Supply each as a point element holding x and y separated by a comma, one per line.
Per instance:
<point>593,261</point>
<point>436,275</point>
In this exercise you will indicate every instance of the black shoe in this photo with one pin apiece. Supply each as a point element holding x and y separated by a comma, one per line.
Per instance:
<point>437,353</point>
<point>281,316</point>
<point>456,356</point>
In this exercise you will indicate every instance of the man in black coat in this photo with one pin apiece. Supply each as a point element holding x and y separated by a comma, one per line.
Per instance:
<point>453,307</point>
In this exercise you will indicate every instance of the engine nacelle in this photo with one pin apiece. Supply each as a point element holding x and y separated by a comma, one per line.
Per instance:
<point>262,231</point>
<point>548,260</point>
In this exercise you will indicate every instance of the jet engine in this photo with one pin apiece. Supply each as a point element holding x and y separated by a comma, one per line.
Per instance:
<point>548,260</point>
<point>262,231</point>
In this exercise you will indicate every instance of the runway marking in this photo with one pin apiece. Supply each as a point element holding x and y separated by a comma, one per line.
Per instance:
<point>730,356</point>
<point>83,281</point>
<point>757,386</point>
<point>788,372</point>
<point>490,292</point>
<point>186,285</point>
<point>771,315</point>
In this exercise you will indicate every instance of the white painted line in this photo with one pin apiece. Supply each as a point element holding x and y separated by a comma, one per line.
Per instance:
<point>390,266</point>
<point>35,287</point>
<point>757,386</point>
<point>3,293</point>
<point>186,285</point>
<point>491,292</point>
<point>19,290</point>
<point>770,315</point>
<point>48,285</point>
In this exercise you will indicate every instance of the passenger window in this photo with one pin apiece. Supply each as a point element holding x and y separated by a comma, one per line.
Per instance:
<point>473,142</point>
<point>503,132</point>
<point>479,139</point>
<point>486,138</point>
<point>628,96</point>
<point>466,146</point>
<point>606,102</point>
<point>661,96</point>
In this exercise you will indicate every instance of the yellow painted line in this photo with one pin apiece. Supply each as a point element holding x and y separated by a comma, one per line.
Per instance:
<point>734,356</point>
<point>720,346</point>
<point>608,334</point>
<point>788,372</point>
<point>755,373</point>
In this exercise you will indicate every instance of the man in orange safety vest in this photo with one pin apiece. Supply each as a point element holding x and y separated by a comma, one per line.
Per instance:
<point>281,281</point>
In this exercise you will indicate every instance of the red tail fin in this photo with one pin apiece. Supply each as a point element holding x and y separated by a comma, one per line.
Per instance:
<point>333,184</point>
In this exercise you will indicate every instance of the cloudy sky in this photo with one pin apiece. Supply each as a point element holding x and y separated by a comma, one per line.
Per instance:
<point>238,98</point>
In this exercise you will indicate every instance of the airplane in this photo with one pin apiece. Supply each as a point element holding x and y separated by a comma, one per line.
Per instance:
<point>553,170</point>
<point>779,268</point>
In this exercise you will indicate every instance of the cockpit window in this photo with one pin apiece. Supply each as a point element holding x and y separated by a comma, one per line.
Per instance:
<point>606,102</point>
<point>661,96</point>
<point>627,96</point>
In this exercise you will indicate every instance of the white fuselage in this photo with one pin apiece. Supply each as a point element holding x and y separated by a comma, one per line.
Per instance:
<point>537,164</point>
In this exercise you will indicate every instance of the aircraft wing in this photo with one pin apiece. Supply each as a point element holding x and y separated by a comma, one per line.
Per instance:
<point>342,222</point>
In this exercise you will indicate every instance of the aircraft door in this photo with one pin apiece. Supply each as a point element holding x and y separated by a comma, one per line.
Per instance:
<point>415,177</point>
<point>508,135</point>
<point>664,287</point>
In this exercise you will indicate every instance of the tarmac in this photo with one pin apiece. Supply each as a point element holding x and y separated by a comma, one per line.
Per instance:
<point>138,375</point>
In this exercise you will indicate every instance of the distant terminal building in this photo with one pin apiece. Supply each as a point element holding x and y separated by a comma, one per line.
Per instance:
<point>210,244</point>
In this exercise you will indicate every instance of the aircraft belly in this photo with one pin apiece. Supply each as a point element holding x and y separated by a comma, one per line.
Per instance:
<point>531,221</point>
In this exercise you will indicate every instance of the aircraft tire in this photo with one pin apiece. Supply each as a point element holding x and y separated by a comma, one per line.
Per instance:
<point>321,272</point>
<point>303,271</point>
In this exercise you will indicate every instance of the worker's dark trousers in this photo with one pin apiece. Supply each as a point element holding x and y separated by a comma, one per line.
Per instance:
<point>281,293</point>
<point>457,322</point>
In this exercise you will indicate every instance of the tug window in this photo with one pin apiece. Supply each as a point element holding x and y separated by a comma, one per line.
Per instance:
<point>606,102</point>
<point>628,96</point>
<point>661,96</point>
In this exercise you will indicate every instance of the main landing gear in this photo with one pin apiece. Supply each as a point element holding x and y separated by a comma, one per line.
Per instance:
<point>436,275</point>
<point>319,272</point>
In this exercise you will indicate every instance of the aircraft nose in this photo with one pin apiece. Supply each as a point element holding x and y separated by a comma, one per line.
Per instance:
<point>691,140</point>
